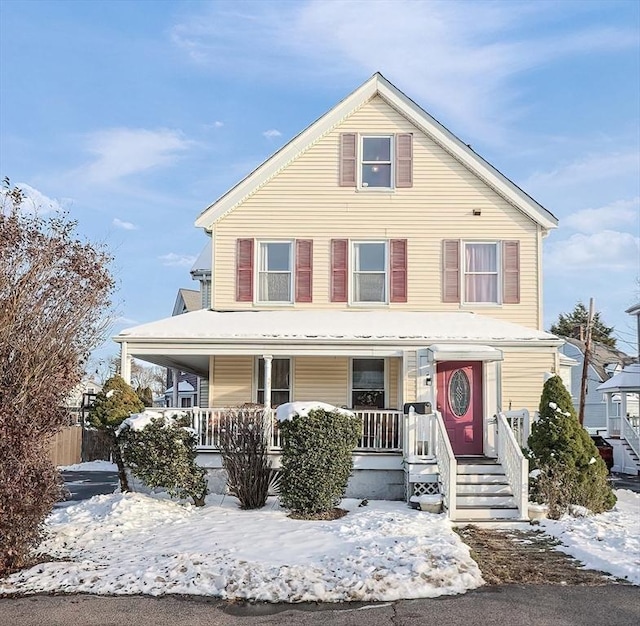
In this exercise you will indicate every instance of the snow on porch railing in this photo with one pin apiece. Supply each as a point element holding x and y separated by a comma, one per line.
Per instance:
<point>381,430</point>
<point>516,467</point>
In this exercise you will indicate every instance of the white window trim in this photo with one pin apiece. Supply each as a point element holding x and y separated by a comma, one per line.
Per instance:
<point>258,271</point>
<point>361,162</point>
<point>351,268</point>
<point>257,383</point>
<point>463,273</point>
<point>387,387</point>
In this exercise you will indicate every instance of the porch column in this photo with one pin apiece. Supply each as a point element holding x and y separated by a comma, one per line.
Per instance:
<point>267,382</point>
<point>125,363</point>
<point>176,377</point>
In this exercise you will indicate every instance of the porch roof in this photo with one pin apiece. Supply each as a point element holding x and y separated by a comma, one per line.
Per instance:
<point>331,326</point>
<point>627,381</point>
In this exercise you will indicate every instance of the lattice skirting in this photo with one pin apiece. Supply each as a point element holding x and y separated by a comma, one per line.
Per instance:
<point>430,488</point>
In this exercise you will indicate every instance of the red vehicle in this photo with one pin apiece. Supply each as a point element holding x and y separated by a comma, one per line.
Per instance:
<point>605,449</point>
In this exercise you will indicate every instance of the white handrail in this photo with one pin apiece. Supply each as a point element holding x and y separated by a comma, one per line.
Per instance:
<point>447,466</point>
<point>631,434</point>
<point>516,467</point>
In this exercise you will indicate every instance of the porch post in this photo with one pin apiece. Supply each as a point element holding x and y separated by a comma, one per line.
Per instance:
<point>267,382</point>
<point>176,381</point>
<point>125,363</point>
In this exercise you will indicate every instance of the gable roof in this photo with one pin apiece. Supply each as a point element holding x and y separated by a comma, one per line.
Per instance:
<point>202,264</point>
<point>187,300</point>
<point>377,85</point>
<point>601,356</point>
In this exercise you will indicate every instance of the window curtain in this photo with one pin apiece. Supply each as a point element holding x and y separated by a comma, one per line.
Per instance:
<point>481,273</point>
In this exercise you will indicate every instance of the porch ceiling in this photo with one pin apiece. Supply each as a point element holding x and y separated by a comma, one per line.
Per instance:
<point>194,364</point>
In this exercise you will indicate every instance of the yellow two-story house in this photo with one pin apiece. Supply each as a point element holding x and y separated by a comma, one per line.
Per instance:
<point>377,263</point>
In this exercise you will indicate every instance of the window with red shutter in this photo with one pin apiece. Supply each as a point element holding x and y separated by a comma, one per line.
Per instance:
<point>304,270</point>
<point>404,160</point>
<point>511,272</point>
<point>244,270</point>
<point>339,270</point>
<point>398,267</point>
<point>348,172</point>
<point>451,270</point>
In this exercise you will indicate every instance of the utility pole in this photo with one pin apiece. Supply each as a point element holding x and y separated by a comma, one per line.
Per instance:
<point>585,367</point>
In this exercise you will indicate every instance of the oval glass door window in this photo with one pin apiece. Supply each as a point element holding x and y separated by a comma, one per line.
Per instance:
<point>459,393</point>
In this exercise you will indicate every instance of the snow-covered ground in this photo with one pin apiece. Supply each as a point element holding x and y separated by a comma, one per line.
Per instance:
<point>141,544</point>
<point>609,542</point>
<point>90,466</point>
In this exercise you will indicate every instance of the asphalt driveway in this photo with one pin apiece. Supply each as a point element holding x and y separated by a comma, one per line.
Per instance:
<point>84,485</point>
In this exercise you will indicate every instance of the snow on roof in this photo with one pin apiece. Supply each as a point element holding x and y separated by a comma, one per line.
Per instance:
<point>333,325</point>
<point>627,380</point>
<point>183,387</point>
<point>287,411</point>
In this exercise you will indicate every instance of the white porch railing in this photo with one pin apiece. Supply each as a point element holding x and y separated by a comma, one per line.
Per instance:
<point>516,467</point>
<point>381,430</point>
<point>520,425</point>
<point>630,432</point>
<point>447,466</point>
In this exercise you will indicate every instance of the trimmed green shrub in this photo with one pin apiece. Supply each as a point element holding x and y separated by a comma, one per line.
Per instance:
<point>316,460</point>
<point>112,406</point>
<point>571,470</point>
<point>163,454</point>
<point>244,449</point>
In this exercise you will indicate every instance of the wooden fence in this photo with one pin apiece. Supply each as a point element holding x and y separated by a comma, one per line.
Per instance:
<point>75,444</point>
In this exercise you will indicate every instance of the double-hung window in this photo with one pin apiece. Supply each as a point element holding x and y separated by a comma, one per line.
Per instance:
<point>367,384</point>
<point>377,158</point>
<point>275,275</point>
<point>280,381</point>
<point>369,269</point>
<point>481,272</point>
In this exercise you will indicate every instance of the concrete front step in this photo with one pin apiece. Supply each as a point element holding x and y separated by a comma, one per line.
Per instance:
<point>472,512</point>
<point>479,468</point>
<point>474,489</point>
<point>486,500</point>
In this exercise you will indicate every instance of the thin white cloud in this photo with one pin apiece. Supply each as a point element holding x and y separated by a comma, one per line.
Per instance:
<point>218,124</point>
<point>123,225</point>
<point>128,321</point>
<point>34,200</point>
<point>458,58</point>
<point>177,260</point>
<point>606,250</point>
<point>616,214</point>
<point>120,152</point>
<point>272,133</point>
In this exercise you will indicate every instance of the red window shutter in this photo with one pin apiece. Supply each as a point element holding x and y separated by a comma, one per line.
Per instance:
<point>244,270</point>
<point>511,272</point>
<point>398,262</point>
<point>451,270</point>
<point>404,160</point>
<point>339,270</point>
<point>304,270</point>
<point>348,160</point>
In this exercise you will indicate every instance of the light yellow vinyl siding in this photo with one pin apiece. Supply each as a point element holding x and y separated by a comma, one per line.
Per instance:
<point>305,201</point>
<point>232,381</point>
<point>523,374</point>
<point>322,378</point>
<point>392,380</point>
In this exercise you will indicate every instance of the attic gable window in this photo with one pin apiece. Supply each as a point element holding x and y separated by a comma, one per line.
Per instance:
<point>376,171</point>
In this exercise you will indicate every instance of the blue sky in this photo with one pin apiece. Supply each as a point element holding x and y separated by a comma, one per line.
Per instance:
<point>135,116</point>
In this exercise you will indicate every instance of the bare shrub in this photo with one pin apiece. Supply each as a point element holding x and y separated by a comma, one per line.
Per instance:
<point>54,293</point>
<point>244,441</point>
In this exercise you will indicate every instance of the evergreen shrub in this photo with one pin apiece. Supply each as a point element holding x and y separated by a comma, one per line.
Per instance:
<point>114,404</point>
<point>163,454</point>
<point>316,460</point>
<point>570,469</point>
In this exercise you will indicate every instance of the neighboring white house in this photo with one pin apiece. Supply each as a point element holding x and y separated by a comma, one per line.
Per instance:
<point>81,397</point>
<point>604,363</point>
<point>375,262</point>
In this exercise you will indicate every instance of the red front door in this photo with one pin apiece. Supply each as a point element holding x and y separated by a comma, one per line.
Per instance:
<point>460,402</point>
